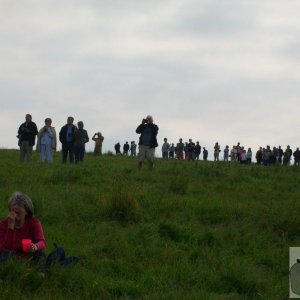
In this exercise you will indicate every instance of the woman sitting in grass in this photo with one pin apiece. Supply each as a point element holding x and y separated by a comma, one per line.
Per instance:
<point>20,224</point>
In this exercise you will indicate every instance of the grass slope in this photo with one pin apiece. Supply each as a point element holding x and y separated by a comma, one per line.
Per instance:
<point>186,230</point>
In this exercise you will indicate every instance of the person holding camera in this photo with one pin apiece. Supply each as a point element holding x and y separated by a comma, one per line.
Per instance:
<point>26,134</point>
<point>46,142</point>
<point>147,142</point>
<point>98,138</point>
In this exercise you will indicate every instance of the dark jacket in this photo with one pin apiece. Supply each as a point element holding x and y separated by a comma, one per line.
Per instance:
<point>27,132</point>
<point>63,134</point>
<point>154,129</point>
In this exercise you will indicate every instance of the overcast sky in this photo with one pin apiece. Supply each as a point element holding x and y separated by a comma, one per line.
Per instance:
<point>210,70</point>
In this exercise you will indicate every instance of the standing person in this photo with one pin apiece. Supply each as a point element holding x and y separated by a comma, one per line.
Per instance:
<point>179,149</point>
<point>205,154</point>
<point>80,139</point>
<point>26,134</point>
<point>133,148</point>
<point>126,148</point>
<point>280,155</point>
<point>197,151</point>
<point>147,142</point>
<point>216,151</point>
<point>66,137</point>
<point>226,153</point>
<point>249,156</point>
<point>172,151</point>
<point>117,148</point>
<point>98,138</point>
<point>259,155</point>
<point>296,155</point>
<point>191,150</point>
<point>289,154</point>
<point>165,149</point>
<point>46,141</point>
<point>19,224</point>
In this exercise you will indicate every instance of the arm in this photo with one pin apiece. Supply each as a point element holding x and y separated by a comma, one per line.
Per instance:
<point>86,137</point>
<point>54,140</point>
<point>38,237</point>
<point>6,236</point>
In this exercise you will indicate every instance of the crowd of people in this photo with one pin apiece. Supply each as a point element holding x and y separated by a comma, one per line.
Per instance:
<point>73,139</point>
<point>263,156</point>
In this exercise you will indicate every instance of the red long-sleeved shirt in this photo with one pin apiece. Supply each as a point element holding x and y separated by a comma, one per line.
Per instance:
<point>11,239</point>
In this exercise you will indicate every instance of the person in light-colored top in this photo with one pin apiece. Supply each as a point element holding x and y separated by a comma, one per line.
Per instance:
<point>165,149</point>
<point>46,142</point>
<point>98,138</point>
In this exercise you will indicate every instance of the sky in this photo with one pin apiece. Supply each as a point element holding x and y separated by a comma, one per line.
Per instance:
<point>209,70</point>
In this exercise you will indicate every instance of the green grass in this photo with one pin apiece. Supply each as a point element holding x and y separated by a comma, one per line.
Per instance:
<point>185,230</point>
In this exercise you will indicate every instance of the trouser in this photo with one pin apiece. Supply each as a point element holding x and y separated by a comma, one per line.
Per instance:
<point>46,152</point>
<point>79,153</point>
<point>25,150</point>
<point>67,148</point>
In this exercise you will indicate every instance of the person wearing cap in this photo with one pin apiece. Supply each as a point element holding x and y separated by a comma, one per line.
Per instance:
<point>19,224</point>
<point>98,138</point>
<point>147,142</point>
<point>26,134</point>
<point>46,142</point>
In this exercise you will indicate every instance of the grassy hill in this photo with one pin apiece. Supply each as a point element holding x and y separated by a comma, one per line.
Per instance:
<point>186,230</point>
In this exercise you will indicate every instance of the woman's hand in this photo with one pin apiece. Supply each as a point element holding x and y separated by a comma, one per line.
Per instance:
<point>11,219</point>
<point>33,248</point>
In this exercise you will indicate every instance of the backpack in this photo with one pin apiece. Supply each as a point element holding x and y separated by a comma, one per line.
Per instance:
<point>58,256</point>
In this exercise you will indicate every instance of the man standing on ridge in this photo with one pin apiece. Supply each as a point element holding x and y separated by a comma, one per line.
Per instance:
<point>26,134</point>
<point>66,137</point>
<point>147,143</point>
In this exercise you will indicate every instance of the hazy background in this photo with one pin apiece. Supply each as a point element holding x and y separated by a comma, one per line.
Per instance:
<point>223,71</point>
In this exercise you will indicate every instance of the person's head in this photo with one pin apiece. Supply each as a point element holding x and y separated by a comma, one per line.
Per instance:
<point>80,124</point>
<point>48,121</point>
<point>21,204</point>
<point>165,140</point>
<point>28,118</point>
<point>149,119</point>
<point>70,120</point>
<point>180,140</point>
